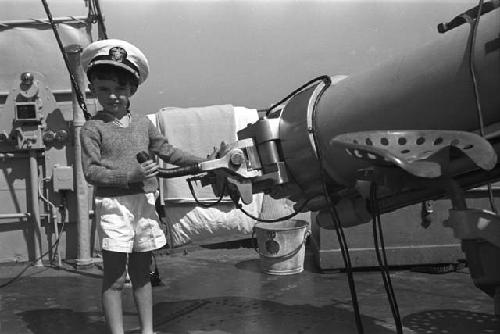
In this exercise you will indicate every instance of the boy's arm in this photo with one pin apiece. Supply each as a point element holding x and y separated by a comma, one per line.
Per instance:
<point>95,170</point>
<point>158,144</point>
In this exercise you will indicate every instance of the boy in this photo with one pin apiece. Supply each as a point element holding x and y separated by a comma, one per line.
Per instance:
<point>125,190</point>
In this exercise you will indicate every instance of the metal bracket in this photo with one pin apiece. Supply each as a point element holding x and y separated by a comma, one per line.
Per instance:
<point>475,224</point>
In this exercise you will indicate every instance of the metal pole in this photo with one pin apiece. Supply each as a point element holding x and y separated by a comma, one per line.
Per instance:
<point>81,187</point>
<point>15,215</point>
<point>35,208</point>
<point>30,22</point>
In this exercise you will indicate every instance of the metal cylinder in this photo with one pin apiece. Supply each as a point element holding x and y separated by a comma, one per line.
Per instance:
<point>81,186</point>
<point>35,208</point>
<point>429,88</point>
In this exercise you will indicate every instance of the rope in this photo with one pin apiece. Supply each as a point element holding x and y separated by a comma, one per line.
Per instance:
<point>95,11</point>
<point>74,84</point>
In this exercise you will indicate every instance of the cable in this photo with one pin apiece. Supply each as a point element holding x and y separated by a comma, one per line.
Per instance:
<point>344,249</point>
<point>197,201</point>
<point>31,263</point>
<point>472,69</point>
<point>53,210</point>
<point>323,78</point>
<point>379,245</point>
<point>83,106</point>
<point>289,216</point>
<point>240,207</point>
<point>56,242</point>
<point>474,25</point>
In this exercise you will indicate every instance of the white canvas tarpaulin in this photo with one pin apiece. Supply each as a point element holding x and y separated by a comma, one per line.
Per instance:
<point>198,130</point>
<point>33,48</point>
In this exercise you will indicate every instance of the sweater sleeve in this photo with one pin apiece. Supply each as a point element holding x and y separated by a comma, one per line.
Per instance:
<point>158,144</point>
<point>95,170</point>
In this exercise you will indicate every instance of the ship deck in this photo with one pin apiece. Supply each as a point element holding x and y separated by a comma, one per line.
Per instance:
<point>219,288</point>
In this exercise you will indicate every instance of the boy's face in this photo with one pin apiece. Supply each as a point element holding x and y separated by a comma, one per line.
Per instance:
<point>112,95</point>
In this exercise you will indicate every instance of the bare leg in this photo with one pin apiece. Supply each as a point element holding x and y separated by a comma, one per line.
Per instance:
<point>114,268</point>
<point>139,268</point>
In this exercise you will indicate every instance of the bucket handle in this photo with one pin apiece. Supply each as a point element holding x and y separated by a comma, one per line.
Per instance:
<point>290,254</point>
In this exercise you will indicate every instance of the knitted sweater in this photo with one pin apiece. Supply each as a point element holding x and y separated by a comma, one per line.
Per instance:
<point>109,154</point>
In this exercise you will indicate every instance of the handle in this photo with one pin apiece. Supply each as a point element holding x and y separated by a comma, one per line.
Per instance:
<point>290,254</point>
<point>171,172</point>
<point>179,171</point>
<point>470,14</point>
<point>142,157</point>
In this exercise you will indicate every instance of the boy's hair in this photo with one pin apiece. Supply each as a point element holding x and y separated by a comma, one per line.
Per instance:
<point>107,71</point>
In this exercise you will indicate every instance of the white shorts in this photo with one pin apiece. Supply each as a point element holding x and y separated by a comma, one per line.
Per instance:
<point>129,223</point>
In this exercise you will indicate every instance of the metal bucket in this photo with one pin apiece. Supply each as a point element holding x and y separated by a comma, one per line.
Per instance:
<point>281,246</point>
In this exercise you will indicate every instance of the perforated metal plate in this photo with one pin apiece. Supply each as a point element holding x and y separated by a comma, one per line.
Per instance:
<point>412,149</point>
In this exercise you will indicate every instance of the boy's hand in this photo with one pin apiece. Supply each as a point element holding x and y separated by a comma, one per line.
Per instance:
<point>145,170</point>
<point>216,154</point>
<point>149,168</point>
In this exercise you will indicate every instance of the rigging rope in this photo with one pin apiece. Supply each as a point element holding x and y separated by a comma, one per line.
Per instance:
<point>95,11</point>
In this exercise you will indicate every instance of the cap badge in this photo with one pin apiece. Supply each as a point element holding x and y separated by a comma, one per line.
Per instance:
<point>118,54</point>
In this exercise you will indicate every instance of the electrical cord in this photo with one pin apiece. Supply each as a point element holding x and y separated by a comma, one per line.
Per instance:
<point>240,207</point>
<point>83,106</point>
<point>344,249</point>
<point>472,44</point>
<point>379,246</point>
<point>289,216</point>
<point>31,263</point>
<point>197,201</point>
<point>323,78</point>
<point>53,210</point>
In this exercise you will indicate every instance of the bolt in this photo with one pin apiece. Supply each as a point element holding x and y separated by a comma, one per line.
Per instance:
<point>236,157</point>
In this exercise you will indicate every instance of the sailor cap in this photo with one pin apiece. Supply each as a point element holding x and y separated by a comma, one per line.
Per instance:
<point>117,53</point>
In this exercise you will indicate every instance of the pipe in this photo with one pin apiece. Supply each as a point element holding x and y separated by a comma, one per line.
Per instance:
<point>19,155</point>
<point>81,187</point>
<point>35,208</point>
<point>15,215</point>
<point>429,88</point>
<point>30,22</point>
<point>54,92</point>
